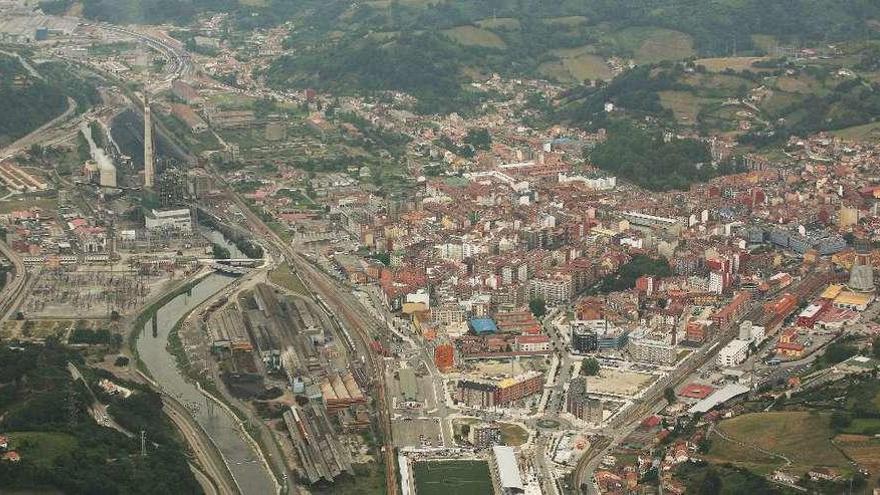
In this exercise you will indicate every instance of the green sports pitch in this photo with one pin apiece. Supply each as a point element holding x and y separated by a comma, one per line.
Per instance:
<point>458,477</point>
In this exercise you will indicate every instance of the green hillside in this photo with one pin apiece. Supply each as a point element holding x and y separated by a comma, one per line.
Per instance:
<point>37,98</point>
<point>764,102</point>
<point>45,415</point>
<point>347,47</point>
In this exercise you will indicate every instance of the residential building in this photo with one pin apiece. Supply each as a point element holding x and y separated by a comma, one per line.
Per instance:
<point>733,353</point>
<point>580,404</point>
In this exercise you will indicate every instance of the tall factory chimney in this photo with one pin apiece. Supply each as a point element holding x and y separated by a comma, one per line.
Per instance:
<point>149,162</point>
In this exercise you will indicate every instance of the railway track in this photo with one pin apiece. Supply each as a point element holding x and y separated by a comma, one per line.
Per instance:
<point>354,318</point>
<point>584,468</point>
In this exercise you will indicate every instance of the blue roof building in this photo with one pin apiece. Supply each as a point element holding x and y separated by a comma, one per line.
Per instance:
<point>482,326</point>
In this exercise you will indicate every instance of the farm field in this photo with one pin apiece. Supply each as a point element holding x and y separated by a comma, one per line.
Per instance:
<point>474,36</point>
<point>650,44</point>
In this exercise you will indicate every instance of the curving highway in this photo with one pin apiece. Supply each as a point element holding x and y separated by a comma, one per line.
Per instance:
<point>14,291</point>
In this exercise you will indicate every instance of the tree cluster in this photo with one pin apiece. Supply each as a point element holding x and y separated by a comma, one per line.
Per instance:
<point>37,394</point>
<point>653,161</point>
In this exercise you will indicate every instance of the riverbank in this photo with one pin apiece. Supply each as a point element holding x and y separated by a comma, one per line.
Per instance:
<point>185,347</point>
<point>149,311</point>
<point>241,454</point>
<point>212,390</point>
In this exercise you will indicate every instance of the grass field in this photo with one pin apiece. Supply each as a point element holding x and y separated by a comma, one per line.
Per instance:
<point>684,105</point>
<point>587,67</point>
<point>384,4</point>
<point>576,65</point>
<point>725,451</point>
<point>801,84</point>
<point>41,447</point>
<point>778,102</point>
<point>368,479</point>
<point>650,44</point>
<point>48,205</point>
<point>474,36</point>
<point>554,70</point>
<point>569,21</point>
<point>452,478</point>
<point>286,278</point>
<point>802,437</point>
<point>508,23</point>
<point>868,132</point>
<point>714,84</point>
<point>722,63</point>
<point>231,101</point>
<point>511,434</point>
<point>864,426</point>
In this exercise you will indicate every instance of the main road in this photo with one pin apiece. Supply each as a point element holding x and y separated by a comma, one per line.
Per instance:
<point>12,294</point>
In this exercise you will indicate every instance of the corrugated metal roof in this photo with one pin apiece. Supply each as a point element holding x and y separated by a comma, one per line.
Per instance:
<point>508,469</point>
<point>718,398</point>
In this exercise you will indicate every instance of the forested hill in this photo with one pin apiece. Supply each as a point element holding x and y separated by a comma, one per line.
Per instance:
<point>37,98</point>
<point>343,46</point>
<point>34,101</point>
<point>432,48</point>
<point>712,23</point>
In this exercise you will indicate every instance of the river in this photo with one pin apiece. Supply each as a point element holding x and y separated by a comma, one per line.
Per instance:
<point>249,472</point>
<point>217,237</point>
